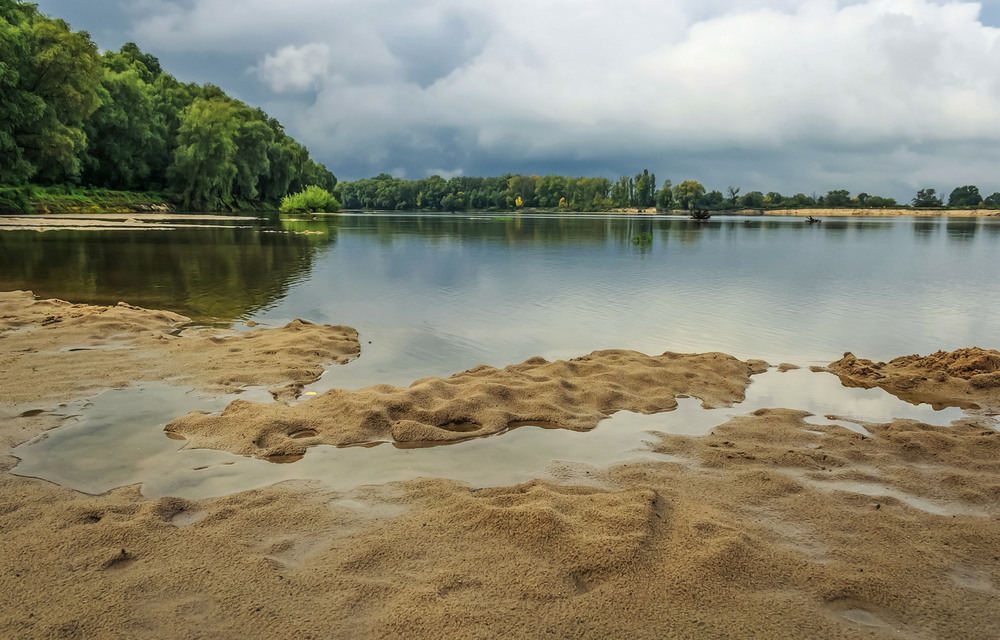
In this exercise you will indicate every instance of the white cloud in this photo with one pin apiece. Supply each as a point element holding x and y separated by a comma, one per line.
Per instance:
<point>451,82</point>
<point>294,68</point>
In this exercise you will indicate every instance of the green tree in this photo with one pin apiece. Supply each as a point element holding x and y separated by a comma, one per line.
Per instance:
<point>253,139</point>
<point>623,192</point>
<point>127,137</point>
<point>645,190</point>
<point>753,200</point>
<point>665,197</point>
<point>927,198</point>
<point>838,198</point>
<point>688,193</point>
<point>992,201</point>
<point>203,169</point>
<point>50,78</point>
<point>733,193</point>
<point>878,202</point>
<point>967,197</point>
<point>713,200</point>
<point>799,200</point>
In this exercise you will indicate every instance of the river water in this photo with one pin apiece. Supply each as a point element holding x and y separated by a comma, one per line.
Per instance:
<point>432,295</point>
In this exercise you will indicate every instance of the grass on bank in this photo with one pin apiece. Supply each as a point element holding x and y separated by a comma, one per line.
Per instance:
<point>68,199</point>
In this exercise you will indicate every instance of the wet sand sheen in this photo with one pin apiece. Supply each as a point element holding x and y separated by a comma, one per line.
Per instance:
<point>751,530</point>
<point>120,442</point>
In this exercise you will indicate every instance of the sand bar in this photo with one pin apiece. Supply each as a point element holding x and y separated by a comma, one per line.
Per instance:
<point>767,527</point>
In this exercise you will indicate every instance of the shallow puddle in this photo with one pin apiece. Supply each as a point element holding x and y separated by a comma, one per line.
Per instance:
<point>119,440</point>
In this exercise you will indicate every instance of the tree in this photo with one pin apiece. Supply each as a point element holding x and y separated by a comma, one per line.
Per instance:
<point>50,78</point>
<point>878,202</point>
<point>645,190</point>
<point>687,193</point>
<point>623,192</point>
<point>800,200</point>
<point>927,198</point>
<point>753,200</point>
<point>838,198</point>
<point>203,168</point>
<point>774,199</point>
<point>733,192</point>
<point>127,136</point>
<point>665,197</point>
<point>713,200</point>
<point>992,201</point>
<point>967,197</point>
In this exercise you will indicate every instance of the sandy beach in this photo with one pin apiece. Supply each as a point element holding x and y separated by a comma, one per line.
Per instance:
<point>770,526</point>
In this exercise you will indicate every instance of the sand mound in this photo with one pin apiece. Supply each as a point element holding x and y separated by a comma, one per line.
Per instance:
<point>573,394</point>
<point>964,378</point>
<point>54,349</point>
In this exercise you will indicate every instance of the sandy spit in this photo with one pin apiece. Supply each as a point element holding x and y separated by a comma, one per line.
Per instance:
<point>770,527</point>
<point>968,378</point>
<point>52,349</point>
<point>573,394</point>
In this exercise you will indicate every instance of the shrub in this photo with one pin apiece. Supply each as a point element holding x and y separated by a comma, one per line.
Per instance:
<point>14,200</point>
<point>312,199</point>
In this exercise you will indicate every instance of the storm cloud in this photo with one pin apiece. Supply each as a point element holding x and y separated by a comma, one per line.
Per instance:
<point>882,96</point>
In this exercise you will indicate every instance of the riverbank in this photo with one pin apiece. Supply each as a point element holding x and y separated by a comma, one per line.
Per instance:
<point>768,527</point>
<point>57,200</point>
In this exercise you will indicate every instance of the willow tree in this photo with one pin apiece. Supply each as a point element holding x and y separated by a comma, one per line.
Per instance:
<point>49,76</point>
<point>203,169</point>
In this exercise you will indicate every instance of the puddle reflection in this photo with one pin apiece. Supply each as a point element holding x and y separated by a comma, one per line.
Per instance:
<point>119,441</point>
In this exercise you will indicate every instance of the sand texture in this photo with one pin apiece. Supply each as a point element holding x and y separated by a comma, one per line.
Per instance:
<point>54,349</point>
<point>769,527</point>
<point>965,378</point>
<point>573,394</point>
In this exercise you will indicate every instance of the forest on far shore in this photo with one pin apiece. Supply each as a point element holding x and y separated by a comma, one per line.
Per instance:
<point>553,192</point>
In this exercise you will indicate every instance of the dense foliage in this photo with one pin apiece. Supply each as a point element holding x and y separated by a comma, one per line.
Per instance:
<point>70,115</point>
<point>512,192</point>
<point>312,199</point>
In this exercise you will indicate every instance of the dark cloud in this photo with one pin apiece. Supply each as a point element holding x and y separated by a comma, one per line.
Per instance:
<point>792,95</point>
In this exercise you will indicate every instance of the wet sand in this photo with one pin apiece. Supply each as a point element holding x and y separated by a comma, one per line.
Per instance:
<point>767,527</point>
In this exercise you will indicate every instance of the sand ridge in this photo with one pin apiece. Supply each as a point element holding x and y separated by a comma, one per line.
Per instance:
<point>571,394</point>
<point>965,378</point>
<point>52,349</point>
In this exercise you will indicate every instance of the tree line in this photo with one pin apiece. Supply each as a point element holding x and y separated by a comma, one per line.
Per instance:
<point>70,115</point>
<point>511,192</point>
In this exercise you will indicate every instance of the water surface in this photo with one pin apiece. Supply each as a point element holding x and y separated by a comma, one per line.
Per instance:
<point>441,293</point>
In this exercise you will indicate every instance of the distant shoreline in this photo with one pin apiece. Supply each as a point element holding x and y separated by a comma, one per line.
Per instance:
<point>650,211</point>
<point>862,213</point>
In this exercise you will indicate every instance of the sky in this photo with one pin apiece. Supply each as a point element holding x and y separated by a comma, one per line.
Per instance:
<point>880,96</point>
